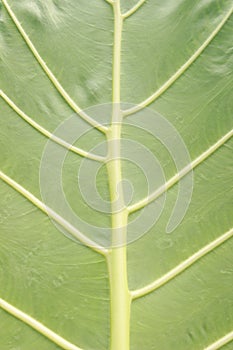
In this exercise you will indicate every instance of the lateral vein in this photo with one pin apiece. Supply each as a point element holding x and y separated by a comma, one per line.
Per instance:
<point>30,321</point>
<point>133,9</point>
<point>178,176</point>
<point>221,342</point>
<point>181,267</point>
<point>111,2</point>
<point>55,216</point>
<point>47,133</point>
<point>50,75</point>
<point>180,71</point>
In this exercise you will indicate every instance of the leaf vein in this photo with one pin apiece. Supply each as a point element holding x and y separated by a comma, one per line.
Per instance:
<point>182,267</point>
<point>180,71</point>
<point>178,176</point>
<point>111,2</point>
<point>47,133</point>
<point>221,342</point>
<point>49,73</point>
<point>55,216</point>
<point>133,9</point>
<point>30,321</point>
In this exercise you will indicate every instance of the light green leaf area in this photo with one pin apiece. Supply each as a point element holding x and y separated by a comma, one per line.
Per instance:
<point>57,59</point>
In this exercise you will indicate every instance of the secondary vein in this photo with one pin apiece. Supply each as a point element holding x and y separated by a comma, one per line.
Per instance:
<point>180,71</point>
<point>50,75</point>
<point>48,333</point>
<point>133,9</point>
<point>221,342</point>
<point>181,267</point>
<point>178,176</point>
<point>111,2</point>
<point>47,133</point>
<point>55,216</point>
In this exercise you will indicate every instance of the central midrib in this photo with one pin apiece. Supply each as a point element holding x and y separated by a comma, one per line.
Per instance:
<point>120,298</point>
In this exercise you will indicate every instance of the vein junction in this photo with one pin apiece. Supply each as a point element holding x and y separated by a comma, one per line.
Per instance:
<point>182,267</point>
<point>133,9</point>
<point>51,213</point>
<point>116,258</point>
<point>171,182</point>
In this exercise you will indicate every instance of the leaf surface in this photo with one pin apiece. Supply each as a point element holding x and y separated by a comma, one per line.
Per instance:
<point>176,59</point>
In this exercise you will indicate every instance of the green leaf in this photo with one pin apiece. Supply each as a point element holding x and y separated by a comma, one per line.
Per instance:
<point>79,274</point>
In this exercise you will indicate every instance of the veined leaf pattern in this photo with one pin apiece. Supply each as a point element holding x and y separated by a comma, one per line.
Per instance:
<point>161,291</point>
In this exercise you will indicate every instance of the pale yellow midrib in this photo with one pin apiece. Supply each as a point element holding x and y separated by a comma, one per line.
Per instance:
<point>120,299</point>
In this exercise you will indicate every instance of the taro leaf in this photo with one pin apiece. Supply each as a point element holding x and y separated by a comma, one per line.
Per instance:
<point>62,57</point>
